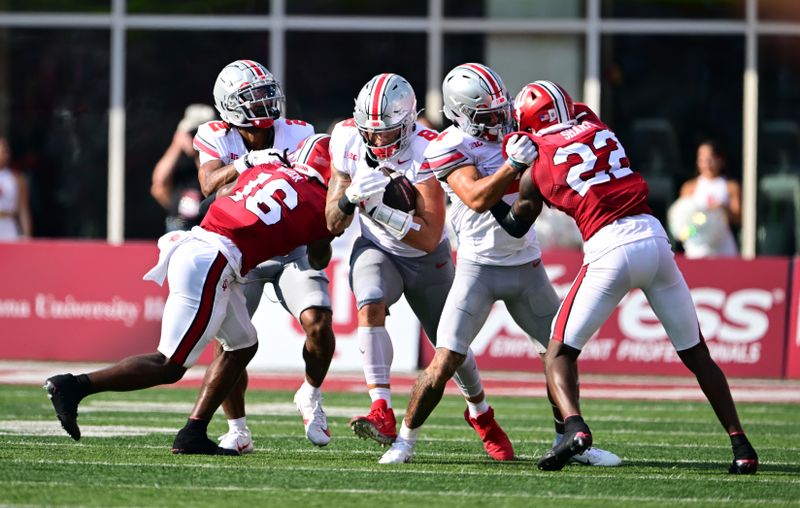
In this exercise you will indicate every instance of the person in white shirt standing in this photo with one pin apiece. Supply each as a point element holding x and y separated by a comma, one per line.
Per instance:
<point>399,252</point>
<point>492,265</point>
<point>712,192</point>
<point>15,214</point>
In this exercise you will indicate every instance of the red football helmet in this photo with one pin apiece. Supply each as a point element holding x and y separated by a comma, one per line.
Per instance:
<point>543,104</point>
<point>312,158</point>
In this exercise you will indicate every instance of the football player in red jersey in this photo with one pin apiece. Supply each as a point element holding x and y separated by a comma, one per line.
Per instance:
<point>582,170</point>
<point>250,102</point>
<point>270,209</point>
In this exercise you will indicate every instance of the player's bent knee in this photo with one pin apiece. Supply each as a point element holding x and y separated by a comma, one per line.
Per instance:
<point>318,324</point>
<point>372,314</point>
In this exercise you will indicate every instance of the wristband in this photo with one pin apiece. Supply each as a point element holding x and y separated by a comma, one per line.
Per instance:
<point>518,166</point>
<point>241,165</point>
<point>346,206</point>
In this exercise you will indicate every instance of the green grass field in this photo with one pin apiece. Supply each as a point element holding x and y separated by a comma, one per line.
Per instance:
<point>675,454</point>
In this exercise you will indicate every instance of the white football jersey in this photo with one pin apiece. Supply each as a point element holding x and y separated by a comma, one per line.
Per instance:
<point>481,240</point>
<point>349,156</point>
<point>218,140</point>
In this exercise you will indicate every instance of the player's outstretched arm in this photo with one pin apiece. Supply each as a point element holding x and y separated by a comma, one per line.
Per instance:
<point>319,254</point>
<point>518,218</point>
<point>338,209</point>
<point>214,174</point>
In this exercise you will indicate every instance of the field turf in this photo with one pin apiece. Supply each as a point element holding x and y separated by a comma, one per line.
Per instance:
<point>674,454</point>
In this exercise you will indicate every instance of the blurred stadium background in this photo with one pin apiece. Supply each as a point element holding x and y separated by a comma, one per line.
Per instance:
<point>91,92</point>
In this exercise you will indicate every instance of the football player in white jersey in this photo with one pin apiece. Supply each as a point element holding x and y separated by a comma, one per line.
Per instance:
<point>492,265</point>
<point>250,103</point>
<point>398,253</point>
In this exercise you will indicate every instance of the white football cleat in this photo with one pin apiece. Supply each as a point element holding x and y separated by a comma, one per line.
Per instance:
<point>593,456</point>
<point>314,419</point>
<point>239,440</point>
<point>400,453</point>
<point>597,457</point>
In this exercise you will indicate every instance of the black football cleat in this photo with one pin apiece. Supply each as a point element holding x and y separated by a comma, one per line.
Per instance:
<point>64,394</point>
<point>745,459</point>
<point>571,445</point>
<point>196,443</point>
<point>744,466</point>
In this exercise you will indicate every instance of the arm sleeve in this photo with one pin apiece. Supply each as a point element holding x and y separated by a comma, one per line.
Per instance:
<point>513,225</point>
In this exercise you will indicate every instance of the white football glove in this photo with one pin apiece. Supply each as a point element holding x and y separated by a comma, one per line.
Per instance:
<point>256,157</point>
<point>366,184</point>
<point>521,150</point>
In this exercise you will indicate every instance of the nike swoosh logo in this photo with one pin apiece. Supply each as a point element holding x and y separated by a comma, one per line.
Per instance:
<point>402,162</point>
<point>440,265</point>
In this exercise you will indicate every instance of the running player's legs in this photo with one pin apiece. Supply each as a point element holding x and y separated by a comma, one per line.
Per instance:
<point>467,307</point>
<point>256,279</point>
<point>534,304</point>
<point>592,298</point>
<point>374,277</point>
<point>300,287</point>
<point>427,281</point>
<point>199,282</point>
<point>670,299</point>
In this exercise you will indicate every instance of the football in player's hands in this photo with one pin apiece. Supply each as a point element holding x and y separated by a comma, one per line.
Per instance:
<point>400,193</point>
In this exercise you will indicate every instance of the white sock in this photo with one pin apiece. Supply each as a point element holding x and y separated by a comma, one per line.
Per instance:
<point>381,393</point>
<point>376,354</point>
<point>477,408</point>
<point>467,377</point>
<point>237,424</point>
<point>408,435</point>
<point>308,389</point>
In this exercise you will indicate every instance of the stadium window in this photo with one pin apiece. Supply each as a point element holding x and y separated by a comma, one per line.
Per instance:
<point>55,112</point>
<point>662,106</point>
<point>205,7</point>
<point>321,85</point>
<point>159,86</point>
<point>674,9</point>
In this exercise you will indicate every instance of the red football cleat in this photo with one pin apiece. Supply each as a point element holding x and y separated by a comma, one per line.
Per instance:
<point>379,425</point>
<point>495,440</point>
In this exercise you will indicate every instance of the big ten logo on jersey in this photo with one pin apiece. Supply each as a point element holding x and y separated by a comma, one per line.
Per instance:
<point>733,325</point>
<point>476,143</point>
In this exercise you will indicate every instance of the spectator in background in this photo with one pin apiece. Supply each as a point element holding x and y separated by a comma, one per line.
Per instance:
<point>15,212</point>
<point>709,204</point>
<point>175,184</point>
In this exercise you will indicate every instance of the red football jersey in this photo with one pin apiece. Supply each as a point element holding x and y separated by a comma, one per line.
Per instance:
<point>584,172</point>
<point>271,211</point>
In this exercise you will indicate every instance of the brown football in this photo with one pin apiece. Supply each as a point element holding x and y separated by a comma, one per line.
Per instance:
<point>400,193</point>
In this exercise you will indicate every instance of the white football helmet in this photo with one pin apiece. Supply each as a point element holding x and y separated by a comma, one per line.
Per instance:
<point>477,102</point>
<point>247,95</point>
<point>385,112</point>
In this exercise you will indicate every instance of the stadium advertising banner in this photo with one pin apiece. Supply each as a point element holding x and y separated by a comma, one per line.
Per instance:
<point>78,301</point>
<point>86,301</point>
<point>793,341</point>
<point>741,307</point>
